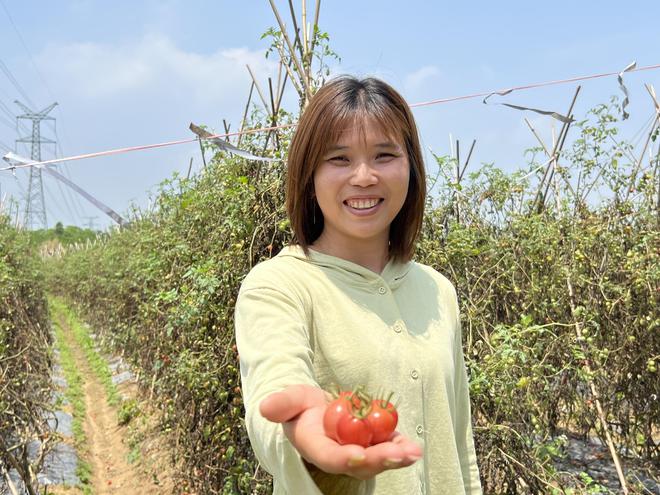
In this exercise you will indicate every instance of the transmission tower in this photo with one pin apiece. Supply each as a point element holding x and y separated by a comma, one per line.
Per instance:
<point>35,206</point>
<point>90,222</point>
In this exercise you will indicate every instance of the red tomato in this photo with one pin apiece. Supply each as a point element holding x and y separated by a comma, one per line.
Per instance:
<point>338,408</point>
<point>354,430</point>
<point>383,419</point>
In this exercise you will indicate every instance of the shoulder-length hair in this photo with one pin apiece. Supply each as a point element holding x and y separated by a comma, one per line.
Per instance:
<point>341,103</point>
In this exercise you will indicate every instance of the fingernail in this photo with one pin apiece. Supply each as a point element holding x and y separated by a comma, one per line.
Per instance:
<point>392,462</point>
<point>356,461</point>
<point>414,457</point>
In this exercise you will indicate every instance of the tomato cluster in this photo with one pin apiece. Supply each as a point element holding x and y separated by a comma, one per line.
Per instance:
<point>356,418</point>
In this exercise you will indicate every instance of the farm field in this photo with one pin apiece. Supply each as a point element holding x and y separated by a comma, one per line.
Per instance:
<point>119,370</point>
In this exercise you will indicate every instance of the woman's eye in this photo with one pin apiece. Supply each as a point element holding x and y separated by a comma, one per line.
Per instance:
<point>385,155</point>
<point>338,159</point>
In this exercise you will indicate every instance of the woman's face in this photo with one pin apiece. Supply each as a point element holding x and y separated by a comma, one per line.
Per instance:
<point>361,184</point>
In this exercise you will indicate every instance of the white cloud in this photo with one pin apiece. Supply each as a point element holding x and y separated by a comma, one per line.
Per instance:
<point>141,92</point>
<point>415,82</point>
<point>96,71</point>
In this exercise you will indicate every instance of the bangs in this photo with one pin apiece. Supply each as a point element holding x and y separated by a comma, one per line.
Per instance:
<point>348,118</point>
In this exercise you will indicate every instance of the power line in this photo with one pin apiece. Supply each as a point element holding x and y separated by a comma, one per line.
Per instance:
<point>43,80</point>
<point>8,123</point>
<point>75,199</point>
<point>13,80</point>
<point>284,126</point>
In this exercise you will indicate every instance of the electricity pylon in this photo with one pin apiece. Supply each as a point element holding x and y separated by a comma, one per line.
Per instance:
<point>35,205</point>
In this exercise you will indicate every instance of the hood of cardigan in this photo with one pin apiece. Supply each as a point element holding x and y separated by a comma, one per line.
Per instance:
<point>393,274</point>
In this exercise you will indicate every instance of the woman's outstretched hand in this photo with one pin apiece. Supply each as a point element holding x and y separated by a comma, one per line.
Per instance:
<point>300,409</point>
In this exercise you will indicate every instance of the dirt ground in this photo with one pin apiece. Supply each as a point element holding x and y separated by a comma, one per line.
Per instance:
<point>107,449</point>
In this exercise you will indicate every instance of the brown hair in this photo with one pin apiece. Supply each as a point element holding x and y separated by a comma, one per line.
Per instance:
<point>341,102</point>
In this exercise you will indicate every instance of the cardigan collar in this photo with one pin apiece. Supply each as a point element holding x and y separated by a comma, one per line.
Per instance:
<point>393,274</point>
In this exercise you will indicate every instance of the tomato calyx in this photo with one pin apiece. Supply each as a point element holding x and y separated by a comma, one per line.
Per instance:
<point>355,417</point>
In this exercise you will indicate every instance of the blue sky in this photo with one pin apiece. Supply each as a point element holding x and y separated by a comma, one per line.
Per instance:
<point>130,73</point>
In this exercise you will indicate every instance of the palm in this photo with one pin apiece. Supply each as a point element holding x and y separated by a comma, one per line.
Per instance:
<point>301,408</point>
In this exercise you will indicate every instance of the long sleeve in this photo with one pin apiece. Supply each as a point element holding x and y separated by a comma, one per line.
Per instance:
<point>463,424</point>
<point>274,345</point>
<point>274,348</point>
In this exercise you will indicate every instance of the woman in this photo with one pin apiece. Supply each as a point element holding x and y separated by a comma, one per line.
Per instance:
<point>347,305</point>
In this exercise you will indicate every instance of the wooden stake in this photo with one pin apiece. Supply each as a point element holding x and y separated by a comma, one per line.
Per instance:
<point>562,135</point>
<point>312,44</point>
<point>292,52</point>
<point>256,83</point>
<point>201,149</point>
<point>297,42</point>
<point>305,32</point>
<point>245,112</point>
<point>592,386</point>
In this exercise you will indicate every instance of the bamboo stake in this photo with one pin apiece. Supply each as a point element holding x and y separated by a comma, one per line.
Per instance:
<point>638,165</point>
<point>305,30</point>
<point>247,107</point>
<point>227,127</point>
<point>297,31</point>
<point>279,78</point>
<point>201,149</point>
<point>281,92</point>
<point>292,52</point>
<point>537,138</point>
<point>273,118</point>
<point>467,160</point>
<point>545,148</point>
<point>256,83</point>
<point>458,181</point>
<point>555,186</point>
<point>287,66</point>
<point>592,386</point>
<point>562,135</point>
<point>312,44</point>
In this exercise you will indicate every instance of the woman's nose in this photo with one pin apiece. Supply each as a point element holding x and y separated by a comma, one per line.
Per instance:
<point>363,174</point>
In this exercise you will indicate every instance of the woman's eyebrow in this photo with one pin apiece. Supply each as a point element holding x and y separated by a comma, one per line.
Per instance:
<point>336,148</point>
<point>386,144</point>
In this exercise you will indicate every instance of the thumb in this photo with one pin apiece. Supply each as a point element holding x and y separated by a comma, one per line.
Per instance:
<point>283,406</point>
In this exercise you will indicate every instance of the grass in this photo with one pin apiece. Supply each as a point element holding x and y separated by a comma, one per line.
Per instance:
<point>74,393</point>
<point>76,397</point>
<point>97,363</point>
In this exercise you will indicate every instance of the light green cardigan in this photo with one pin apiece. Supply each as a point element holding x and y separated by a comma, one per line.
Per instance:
<point>324,320</point>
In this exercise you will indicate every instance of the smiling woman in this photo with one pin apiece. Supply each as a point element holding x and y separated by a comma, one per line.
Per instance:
<point>347,305</point>
<point>360,189</point>
<point>358,124</point>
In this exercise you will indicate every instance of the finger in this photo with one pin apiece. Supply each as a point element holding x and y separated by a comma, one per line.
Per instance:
<point>379,458</point>
<point>410,448</point>
<point>323,451</point>
<point>283,406</point>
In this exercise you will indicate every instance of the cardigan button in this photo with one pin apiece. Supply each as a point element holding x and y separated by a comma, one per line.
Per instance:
<point>382,290</point>
<point>419,430</point>
<point>414,374</point>
<point>398,327</point>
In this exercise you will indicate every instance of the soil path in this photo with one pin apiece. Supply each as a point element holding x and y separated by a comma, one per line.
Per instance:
<point>107,451</point>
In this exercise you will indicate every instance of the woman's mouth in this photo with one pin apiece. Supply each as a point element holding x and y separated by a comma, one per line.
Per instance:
<point>363,206</point>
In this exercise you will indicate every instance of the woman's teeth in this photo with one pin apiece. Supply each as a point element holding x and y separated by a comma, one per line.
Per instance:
<point>363,204</point>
